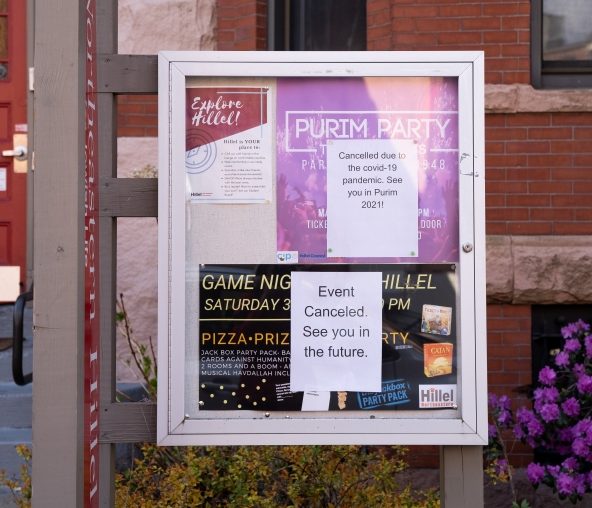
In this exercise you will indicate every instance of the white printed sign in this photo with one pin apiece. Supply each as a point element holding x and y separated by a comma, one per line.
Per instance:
<point>3,180</point>
<point>9,283</point>
<point>336,325</point>
<point>372,198</point>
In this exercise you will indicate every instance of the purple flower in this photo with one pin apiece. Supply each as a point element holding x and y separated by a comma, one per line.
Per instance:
<point>519,432</point>
<point>589,478</point>
<point>532,442</point>
<point>569,330</point>
<point>547,376</point>
<point>492,400</point>
<point>582,428</point>
<point>572,345</point>
<point>553,471</point>
<point>535,473</point>
<point>562,359</point>
<point>492,431</point>
<point>571,464</point>
<point>580,484</point>
<point>578,369</point>
<point>585,384</point>
<point>571,407</point>
<point>565,484</point>
<point>545,395</point>
<point>524,415</point>
<point>504,403</point>
<point>579,447</point>
<point>501,467</point>
<point>549,412</point>
<point>551,394</point>
<point>574,328</point>
<point>504,418</point>
<point>588,344</point>
<point>535,428</point>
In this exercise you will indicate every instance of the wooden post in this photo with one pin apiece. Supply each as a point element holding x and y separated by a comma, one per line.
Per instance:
<point>59,254</point>
<point>461,476</point>
<point>107,143</point>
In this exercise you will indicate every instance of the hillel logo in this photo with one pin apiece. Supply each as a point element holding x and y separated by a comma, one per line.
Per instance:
<point>437,396</point>
<point>287,256</point>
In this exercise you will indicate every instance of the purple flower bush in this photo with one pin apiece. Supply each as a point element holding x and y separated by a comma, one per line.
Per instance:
<point>496,454</point>
<point>560,420</point>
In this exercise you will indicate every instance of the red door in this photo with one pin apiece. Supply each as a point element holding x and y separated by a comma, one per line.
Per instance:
<point>13,120</point>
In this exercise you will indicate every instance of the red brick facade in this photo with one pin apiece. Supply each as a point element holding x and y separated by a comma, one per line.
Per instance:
<point>242,25</point>
<point>499,28</point>
<point>538,174</point>
<point>137,116</point>
<point>508,339</point>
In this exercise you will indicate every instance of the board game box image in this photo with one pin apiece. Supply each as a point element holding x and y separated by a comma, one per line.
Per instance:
<point>437,359</point>
<point>436,319</point>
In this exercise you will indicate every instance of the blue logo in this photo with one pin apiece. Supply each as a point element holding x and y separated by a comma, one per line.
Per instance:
<point>287,256</point>
<point>393,393</point>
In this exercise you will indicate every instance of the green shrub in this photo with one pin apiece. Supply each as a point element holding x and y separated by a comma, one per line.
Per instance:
<point>21,487</point>
<point>269,477</point>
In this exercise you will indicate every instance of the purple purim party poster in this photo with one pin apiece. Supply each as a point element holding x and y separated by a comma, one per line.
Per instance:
<point>367,169</point>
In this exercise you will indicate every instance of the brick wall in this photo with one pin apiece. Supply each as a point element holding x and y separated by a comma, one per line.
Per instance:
<point>242,25</point>
<point>509,361</point>
<point>137,116</point>
<point>508,347</point>
<point>500,28</point>
<point>538,174</point>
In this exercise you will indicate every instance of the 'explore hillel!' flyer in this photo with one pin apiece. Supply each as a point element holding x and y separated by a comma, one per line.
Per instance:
<point>228,144</point>
<point>367,169</point>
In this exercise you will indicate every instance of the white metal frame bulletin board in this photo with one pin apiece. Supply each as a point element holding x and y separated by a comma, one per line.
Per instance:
<point>321,248</point>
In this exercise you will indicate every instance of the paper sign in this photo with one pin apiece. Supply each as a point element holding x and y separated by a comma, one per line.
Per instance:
<point>9,283</point>
<point>316,401</point>
<point>336,326</point>
<point>228,145</point>
<point>372,198</point>
<point>2,179</point>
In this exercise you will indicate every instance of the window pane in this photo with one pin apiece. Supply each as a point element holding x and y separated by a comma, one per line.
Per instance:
<point>567,30</point>
<point>338,25</point>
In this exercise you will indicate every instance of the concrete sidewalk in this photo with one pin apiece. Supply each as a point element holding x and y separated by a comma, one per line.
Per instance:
<point>15,401</point>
